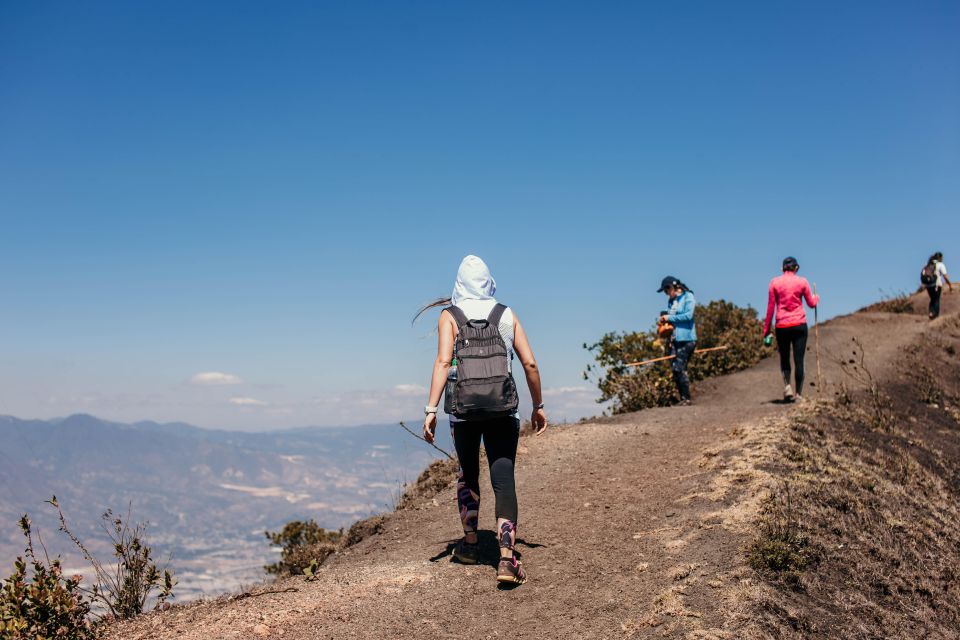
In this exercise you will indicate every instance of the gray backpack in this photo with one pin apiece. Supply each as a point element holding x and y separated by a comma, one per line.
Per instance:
<point>483,387</point>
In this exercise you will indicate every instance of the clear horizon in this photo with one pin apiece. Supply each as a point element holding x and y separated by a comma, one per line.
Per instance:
<point>226,214</point>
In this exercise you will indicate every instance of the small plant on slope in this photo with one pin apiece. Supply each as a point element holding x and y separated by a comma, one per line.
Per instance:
<point>37,602</point>
<point>304,545</point>
<point>125,588</point>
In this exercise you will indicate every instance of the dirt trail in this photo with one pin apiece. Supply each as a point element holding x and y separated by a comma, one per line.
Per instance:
<point>630,527</point>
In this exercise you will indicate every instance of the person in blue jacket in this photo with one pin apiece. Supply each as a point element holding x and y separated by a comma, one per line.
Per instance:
<point>684,341</point>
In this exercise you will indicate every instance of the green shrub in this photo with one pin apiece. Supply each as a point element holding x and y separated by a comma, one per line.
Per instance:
<point>633,388</point>
<point>303,545</point>
<point>123,588</point>
<point>42,604</point>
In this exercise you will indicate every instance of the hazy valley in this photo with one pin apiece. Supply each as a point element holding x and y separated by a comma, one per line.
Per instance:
<point>208,495</point>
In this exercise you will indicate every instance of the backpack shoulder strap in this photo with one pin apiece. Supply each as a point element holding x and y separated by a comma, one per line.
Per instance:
<point>495,314</point>
<point>458,315</point>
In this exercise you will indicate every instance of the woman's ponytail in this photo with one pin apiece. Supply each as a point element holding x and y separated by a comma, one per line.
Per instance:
<point>439,302</point>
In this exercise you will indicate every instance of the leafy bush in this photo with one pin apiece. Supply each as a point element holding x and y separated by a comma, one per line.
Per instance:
<point>633,388</point>
<point>123,588</point>
<point>45,604</point>
<point>304,545</point>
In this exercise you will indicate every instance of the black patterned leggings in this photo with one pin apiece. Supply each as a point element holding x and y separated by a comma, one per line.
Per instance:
<point>499,437</point>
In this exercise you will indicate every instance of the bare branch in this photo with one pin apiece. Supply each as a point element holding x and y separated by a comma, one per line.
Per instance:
<point>405,428</point>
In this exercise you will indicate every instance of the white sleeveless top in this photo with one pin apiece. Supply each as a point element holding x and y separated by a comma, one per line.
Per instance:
<point>480,310</point>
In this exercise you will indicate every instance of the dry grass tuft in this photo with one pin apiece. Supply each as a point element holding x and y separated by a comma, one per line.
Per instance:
<point>892,303</point>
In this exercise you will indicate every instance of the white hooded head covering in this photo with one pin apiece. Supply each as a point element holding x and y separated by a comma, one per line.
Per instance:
<point>474,281</point>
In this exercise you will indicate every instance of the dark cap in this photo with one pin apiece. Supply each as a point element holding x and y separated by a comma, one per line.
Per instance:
<point>669,281</point>
<point>790,263</point>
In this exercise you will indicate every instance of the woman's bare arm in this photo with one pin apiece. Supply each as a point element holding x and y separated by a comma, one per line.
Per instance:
<point>522,348</point>
<point>446,332</point>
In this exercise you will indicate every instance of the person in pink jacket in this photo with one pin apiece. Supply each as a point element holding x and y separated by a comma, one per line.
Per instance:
<point>785,298</point>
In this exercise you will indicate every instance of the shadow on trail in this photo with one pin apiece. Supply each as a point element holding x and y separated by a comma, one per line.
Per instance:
<point>489,548</point>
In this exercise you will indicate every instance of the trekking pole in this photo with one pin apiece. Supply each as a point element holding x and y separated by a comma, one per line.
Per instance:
<point>662,358</point>
<point>816,335</point>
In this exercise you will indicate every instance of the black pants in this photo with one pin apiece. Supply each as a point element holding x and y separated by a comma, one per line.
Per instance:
<point>682,351</point>
<point>795,337</point>
<point>500,437</point>
<point>934,293</point>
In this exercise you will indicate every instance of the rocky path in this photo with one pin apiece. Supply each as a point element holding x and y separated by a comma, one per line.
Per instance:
<point>630,527</point>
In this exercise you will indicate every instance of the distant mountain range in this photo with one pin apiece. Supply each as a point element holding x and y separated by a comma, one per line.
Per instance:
<point>208,495</point>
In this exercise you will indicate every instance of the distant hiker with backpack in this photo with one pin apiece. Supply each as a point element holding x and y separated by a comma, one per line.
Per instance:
<point>477,338</point>
<point>683,341</point>
<point>785,297</point>
<point>932,277</point>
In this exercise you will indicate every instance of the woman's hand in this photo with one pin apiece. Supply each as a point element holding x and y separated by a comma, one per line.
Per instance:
<point>539,420</point>
<point>429,426</point>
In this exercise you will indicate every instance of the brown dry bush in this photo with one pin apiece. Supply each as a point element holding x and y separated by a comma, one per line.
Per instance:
<point>632,389</point>
<point>434,479</point>
<point>892,303</point>
<point>363,529</point>
<point>853,365</point>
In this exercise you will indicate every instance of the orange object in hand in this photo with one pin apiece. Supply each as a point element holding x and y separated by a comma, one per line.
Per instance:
<point>664,330</point>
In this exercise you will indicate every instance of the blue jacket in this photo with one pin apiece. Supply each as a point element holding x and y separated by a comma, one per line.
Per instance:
<point>680,315</point>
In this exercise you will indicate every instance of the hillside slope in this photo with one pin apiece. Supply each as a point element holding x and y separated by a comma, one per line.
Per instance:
<point>632,526</point>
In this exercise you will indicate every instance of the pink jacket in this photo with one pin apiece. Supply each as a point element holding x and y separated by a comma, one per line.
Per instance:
<point>786,296</point>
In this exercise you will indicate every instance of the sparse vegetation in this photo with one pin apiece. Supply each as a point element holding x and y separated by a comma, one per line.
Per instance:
<point>631,388</point>
<point>303,545</point>
<point>892,303</point>
<point>37,601</point>
<point>854,367</point>
<point>432,480</point>
<point>124,588</point>
<point>363,529</point>
<point>781,550</point>
<point>866,529</point>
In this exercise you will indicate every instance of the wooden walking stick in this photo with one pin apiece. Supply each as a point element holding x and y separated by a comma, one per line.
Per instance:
<point>816,335</point>
<point>640,364</point>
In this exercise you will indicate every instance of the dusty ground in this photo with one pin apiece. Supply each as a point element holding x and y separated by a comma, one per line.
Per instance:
<point>631,526</point>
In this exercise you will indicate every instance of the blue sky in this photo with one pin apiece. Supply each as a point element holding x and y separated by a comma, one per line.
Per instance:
<point>269,190</point>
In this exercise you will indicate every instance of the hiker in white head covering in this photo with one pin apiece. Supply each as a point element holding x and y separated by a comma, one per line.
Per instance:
<point>487,416</point>
<point>474,281</point>
<point>473,292</point>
